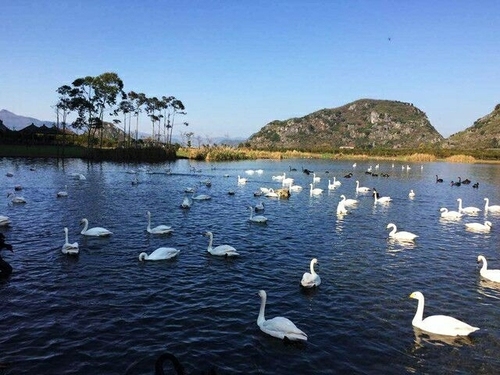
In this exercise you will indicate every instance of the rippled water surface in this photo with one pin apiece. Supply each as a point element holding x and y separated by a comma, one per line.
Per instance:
<point>105,312</point>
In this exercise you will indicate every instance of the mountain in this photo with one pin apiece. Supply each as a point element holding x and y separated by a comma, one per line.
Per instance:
<point>364,123</point>
<point>484,133</point>
<point>16,122</point>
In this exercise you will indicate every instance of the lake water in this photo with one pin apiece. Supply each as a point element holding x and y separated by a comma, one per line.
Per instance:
<point>105,312</point>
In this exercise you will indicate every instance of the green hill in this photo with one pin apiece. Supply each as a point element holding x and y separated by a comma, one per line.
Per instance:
<point>365,123</point>
<point>483,134</point>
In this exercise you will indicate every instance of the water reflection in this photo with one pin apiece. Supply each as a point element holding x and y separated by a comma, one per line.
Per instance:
<point>422,338</point>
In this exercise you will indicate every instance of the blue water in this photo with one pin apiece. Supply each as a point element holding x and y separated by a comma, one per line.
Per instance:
<point>105,312</point>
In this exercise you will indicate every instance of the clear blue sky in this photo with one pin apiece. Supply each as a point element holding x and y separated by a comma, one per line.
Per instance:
<point>237,65</point>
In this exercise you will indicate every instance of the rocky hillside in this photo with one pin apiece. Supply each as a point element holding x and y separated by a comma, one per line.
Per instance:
<point>365,123</point>
<point>484,133</point>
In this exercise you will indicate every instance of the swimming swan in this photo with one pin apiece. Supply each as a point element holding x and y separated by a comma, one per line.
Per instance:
<point>348,202</point>
<point>311,279</point>
<point>160,229</point>
<point>439,324</point>
<point>467,210</point>
<point>493,209</point>
<point>221,250</point>
<point>341,210</point>
<point>95,232</point>
<point>453,215</point>
<point>381,200</point>
<point>162,253</point>
<point>257,218</point>
<point>315,191</point>
<point>402,235</point>
<point>279,327</point>
<point>361,189</point>
<point>4,221</point>
<point>69,248</point>
<point>492,275</point>
<point>478,227</point>
<point>63,193</point>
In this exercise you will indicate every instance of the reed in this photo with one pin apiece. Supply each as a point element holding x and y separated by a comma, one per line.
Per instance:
<point>461,159</point>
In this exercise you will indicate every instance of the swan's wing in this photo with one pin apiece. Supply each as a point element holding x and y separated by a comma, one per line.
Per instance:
<point>283,327</point>
<point>492,275</point>
<point>224,250</point>
<point>309,281</point>
<point>446,325</point>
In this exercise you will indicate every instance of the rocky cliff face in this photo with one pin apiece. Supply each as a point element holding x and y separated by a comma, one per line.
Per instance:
<point>365,123</point>
<point>483,134</point>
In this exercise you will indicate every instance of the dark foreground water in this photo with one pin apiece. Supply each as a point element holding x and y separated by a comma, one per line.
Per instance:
<point>104,312</point>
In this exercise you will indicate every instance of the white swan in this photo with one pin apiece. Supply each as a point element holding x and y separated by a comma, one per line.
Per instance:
<point>162,253</point>
<point>341,209</point>
<point>271,193</point>
<point>361,189</point>
<point>95,232</point>
<point>402,235</point>
<point>492,275</point>
<point>478,227</point>
<point>493,208</point>
<point>69,248</point>
<point>160,229</point>
<point>336,182</point>
<point>257,218</point>
<point>4,221</point>
<point>278,177</point>
<point>348,201</point>
<point>295,188</point>
<point>316,179</point>
<point>202,197</point>
<point>311,279</point>
<point>221,250</point>
<point>467,210</point>
<point>279,326</point>
<point>381,200</point>
<point>259,206</point>
<point>16,199</point>
<point>439,324</point>
<point>315,191</point>
<point>411,194</point>
<point>287,181</point>
<point>242,180</point>
<point>63,193</point>
<point>186,202</point>
<point>453,215</point>
<point>331,185</point>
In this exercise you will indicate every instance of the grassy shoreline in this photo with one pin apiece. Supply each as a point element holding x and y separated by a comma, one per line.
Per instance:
<point>225,153</point>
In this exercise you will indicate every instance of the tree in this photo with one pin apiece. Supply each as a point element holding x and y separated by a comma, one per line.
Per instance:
<point>137,100</point>
<point>89,97</point>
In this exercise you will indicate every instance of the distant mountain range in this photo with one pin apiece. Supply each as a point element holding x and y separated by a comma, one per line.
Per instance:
<point>364,123</point>
<point>16,122</point>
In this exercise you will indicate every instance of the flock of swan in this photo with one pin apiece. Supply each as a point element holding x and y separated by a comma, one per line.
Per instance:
<point>281,327</point>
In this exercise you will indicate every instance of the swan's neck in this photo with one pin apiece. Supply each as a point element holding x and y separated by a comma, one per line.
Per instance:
<point>419,314</point>
<point>459,205</point>
<point>66,236</point>
<point>484,267</point>
<point>149,222</point>
<point>261,318</point>
<point>486,204</point>
<point>85,226</point>
<point>211,238</point>
<point>312,269</point>
<point>393,231</point>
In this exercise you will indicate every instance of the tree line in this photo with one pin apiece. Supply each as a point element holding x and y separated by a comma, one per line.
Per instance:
<point>91,98</point>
